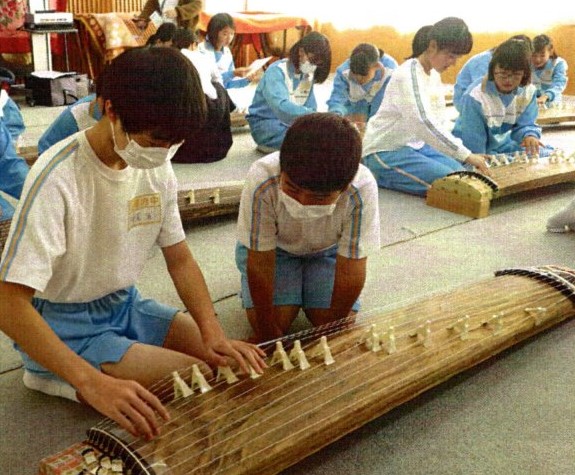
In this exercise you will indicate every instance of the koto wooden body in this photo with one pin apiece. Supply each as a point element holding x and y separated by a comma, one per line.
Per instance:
<point>4,229</point>
<point>261,426</point>
<point>470,193</point>
<point>559,113</point>
<point>197,201</point>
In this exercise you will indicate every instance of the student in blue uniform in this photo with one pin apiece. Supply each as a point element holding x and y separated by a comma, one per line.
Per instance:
<point>476,67</point>
<point>408,143</point>
<point>11,116</point>
<point>220,34</point>
<point>81,115</point>
<point>13,172</point>
<point>549,71</point>
<point>308,220</point>
<point>360,82</point>
<point>285,91</point>
<point>498,112</point>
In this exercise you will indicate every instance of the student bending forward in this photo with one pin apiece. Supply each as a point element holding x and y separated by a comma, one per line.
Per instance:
<point>308,218</point>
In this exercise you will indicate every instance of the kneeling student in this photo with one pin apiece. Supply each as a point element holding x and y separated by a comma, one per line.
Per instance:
<point>308,218</point>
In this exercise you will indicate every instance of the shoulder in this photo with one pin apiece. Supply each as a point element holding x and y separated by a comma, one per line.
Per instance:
<point>264,168</point>
<point>389,61</point>
<point>560,62</point>
<point>363,183</point>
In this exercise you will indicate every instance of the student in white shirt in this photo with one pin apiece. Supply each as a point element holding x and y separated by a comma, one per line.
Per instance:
<point>92,209</point>
<point>308,219</point>
<point>408,144</point>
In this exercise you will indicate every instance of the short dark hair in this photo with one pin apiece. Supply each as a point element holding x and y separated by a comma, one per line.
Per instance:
<point>452,34</point>
<point>318,45</point>
<point>524,38</point>
<point>164,33</point>
<point>512,55</point>
<point>321,151</point>
<point>541,43</point>
<point>363,57</point>
<point>216,24</point>
<point>155,90</point>
<point>184,38</point>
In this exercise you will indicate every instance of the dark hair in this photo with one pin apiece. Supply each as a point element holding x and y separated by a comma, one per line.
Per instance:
<point>318,45</point>
<point>420,41</point>
<point>216,24</point>
<point>164,33</point>
<point>524,38</point>
<point>452,34</point>
<point>541,42</point>
<point>321,151</point>
<point>155,90</point>
<point>363,57</point>
<point>183,38</point>
<point>512,55</point>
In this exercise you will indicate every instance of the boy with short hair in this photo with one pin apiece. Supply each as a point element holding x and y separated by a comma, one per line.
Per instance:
<point>92,209</point>
<point>308,218</point>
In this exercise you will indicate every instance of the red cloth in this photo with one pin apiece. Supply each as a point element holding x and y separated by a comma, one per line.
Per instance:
<point>258,22</point>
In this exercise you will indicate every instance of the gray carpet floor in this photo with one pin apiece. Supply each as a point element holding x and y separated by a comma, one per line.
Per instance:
<point>514,414</point>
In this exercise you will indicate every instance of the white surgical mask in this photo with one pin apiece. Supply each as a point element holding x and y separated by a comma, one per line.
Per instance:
<point>307,68</point>
<point>298,211</point>
<point>137,156</point>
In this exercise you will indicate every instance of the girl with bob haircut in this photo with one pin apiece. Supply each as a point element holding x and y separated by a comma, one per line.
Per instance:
<point>408,143</point>
<point>220,35</point>
<point>498,112</point>
<point>549,71</point>
<point>285,91</point>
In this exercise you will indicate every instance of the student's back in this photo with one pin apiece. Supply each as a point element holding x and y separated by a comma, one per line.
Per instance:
<point>474,68</point>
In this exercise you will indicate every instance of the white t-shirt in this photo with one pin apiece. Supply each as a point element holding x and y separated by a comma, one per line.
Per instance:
<point>83,230</point>
<point>265,224</point>
<point>207,70</point>
<point>83,116</point>
<point>413,113</point>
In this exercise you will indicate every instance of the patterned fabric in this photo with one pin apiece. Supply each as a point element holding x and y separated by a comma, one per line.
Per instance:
<point>12,14</point>
<point>114,32</point>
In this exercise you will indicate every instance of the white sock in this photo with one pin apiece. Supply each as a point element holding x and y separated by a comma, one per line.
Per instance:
<point>53,387</point>
<point>564,220</point>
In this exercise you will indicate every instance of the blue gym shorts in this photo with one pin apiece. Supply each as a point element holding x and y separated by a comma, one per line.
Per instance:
<point>305,281</point>
<point>103,330</point>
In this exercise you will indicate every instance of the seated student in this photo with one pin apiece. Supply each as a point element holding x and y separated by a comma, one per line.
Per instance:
<point>220,34</point>
<point>92,209</point>
<point>81,115</point>
<point>360,82</point>
<point>163,35</point>
<point>184,13</point>
<point>308,219</point>
<point>549,71</point>
<point>13,172</point>
<point>285,91</point>
<point>213,141</point>
<point>11,116</point>
<point>476,67</point>
<point>408,143</point>
<point>498,112</point>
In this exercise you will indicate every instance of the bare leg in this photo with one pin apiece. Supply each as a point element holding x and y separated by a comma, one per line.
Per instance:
<point>277,325</point>
<point>323,316</point>
<point>147,364</point>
